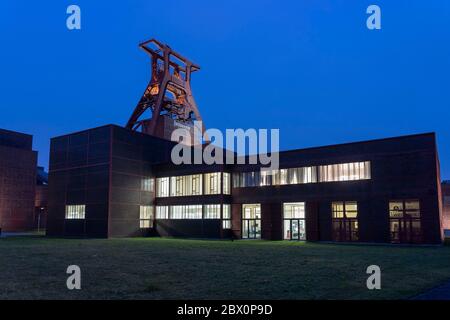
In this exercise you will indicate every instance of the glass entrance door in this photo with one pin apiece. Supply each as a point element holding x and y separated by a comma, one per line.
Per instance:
<point>294,229</point>
<point>251,221</point>
<point>294,221</point>
<point>251,229</point>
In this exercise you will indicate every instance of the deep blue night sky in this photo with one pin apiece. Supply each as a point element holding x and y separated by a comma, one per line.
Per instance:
<point>310,68</point>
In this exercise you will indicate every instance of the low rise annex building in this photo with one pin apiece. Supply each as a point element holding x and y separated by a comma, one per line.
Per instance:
<point>114,182</point>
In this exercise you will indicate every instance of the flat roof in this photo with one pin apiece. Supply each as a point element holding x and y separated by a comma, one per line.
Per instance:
<point>14,139</point>
<point>431,134</point>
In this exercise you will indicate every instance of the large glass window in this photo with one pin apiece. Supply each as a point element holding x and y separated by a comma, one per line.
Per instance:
<point>247,179</point>
<point>146,217</point>
<point>186,212</point>
<point>75,212</point>
<point>327,173</point>
<point>266,178</point>
<point>196,184</point>
<point>226,216</point>
<point>212,183</point>
<point>344,172</point>
<point>147,184</point>
<point>186,185</point>
<point>162,187</point>
<point>301,175</point>
<point>405,225</point>
<point>275,177</point>
<point>212,211</point>
<point>345,221</point>
<point>251,221</point>
<point>177,184</point>
<point>226,183</point>
<point>162,212</point>
<point>191,185</point>
<point>294,224</point>
<point>226,224</point>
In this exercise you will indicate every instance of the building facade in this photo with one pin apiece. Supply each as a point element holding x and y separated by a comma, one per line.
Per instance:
<point>17,181</point>
<point>446,206</point>
<point>114,182</point>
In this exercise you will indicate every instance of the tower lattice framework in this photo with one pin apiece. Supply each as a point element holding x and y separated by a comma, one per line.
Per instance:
<point>168,95</point>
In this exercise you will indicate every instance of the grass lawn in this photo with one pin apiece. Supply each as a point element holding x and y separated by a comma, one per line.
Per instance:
<point>150,268</point>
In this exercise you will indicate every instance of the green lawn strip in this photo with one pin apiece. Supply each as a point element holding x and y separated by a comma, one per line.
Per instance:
<point>153,268</point>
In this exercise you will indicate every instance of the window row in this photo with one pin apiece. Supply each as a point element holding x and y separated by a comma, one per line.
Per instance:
<point>345,172</point>
<point>404,218</point>
<point>405,226</point>
<point>326,173</point>
<point>275,177</point>
<point>404,221</point>
<point>192,185</point>
<point>207,211</point>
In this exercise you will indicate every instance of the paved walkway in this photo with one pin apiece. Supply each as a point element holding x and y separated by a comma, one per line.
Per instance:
<point>439,293</point>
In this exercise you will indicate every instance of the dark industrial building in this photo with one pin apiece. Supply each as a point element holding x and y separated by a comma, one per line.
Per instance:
<point>118,182</point>
<point>17,181</point>
<point>113,182</point>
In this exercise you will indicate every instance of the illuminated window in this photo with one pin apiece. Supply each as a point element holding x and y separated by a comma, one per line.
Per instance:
<point>147,184</point>
<point>186,212</point>
<point>212,211</point>
<point>345,171</point>
<point>226,216</point>
<point>176,186</point>
<point>196,184</point>
<point>283,176</point>
<point>266,178</point>
<point>345,221</point>
<point>294,224</point>
<point>212,183</point>
<point>327,173</point>
<point>146,217</point>
<point>162,212</point>
<point>405,224</point>
<point>226,224</point>
<point>226,183</point>
<point>295,210</point>
<point>75,212</point>
<point>246,179</point>
<point>251,221</point>
<point>162,187</point>
<point>237,179</point>
<point>226,212</point>
<point>190,185</point>
<point>301,175</point>
<point>275,177</point>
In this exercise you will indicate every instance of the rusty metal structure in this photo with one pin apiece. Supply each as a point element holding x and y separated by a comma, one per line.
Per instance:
<point>168,96</point>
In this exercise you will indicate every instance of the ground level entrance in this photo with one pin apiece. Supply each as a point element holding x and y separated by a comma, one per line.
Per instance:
<point>294,226</point>
<point>251,221</point>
